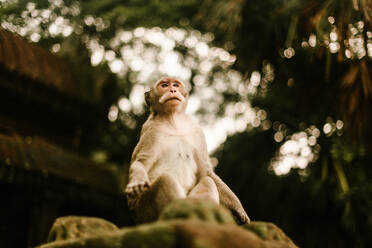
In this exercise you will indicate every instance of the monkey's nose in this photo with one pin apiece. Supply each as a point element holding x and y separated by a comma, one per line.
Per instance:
<point>173,91</point>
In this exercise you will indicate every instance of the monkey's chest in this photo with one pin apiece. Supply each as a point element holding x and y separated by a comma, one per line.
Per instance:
<point>177,160</point>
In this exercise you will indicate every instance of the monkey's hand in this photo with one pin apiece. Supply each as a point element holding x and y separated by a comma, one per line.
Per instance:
<point>135,189</point>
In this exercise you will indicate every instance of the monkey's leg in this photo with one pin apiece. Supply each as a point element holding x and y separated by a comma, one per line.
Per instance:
<point>205,189</point>
<point>161,192</point>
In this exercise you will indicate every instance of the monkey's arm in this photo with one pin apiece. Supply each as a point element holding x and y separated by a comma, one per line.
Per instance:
<point>138,182</point>
<point>143,157</point>
<point>229,199</point>
<point>138,179</point>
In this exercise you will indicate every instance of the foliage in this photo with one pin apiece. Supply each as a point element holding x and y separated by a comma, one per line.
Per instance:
<point>335,34</point>
<point>321,75</point>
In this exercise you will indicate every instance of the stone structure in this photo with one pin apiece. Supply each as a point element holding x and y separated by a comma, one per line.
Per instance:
<point>46,116</point>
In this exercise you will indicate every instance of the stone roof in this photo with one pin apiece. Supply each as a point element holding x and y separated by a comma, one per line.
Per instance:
<point>40,91</point>
<point>44,118</point>
<point>35,154</point>
<point>34,62</point>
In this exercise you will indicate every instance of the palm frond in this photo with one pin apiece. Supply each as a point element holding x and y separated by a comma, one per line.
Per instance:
<point>221,16</point>
<point>356,90</point>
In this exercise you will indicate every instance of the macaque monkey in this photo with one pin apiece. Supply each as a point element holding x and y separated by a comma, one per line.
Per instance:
<point>171,160</point>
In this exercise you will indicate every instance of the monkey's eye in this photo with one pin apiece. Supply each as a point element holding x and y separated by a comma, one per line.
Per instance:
<point>164,85</point>
<point>176,84</point>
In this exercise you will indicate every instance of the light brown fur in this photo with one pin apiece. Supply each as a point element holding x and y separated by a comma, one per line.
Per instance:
<point>171,160</point>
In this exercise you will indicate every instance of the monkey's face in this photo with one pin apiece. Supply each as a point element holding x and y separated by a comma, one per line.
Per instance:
<point>169,95</point>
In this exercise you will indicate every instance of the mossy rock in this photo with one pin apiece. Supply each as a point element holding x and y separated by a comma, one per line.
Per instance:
<point>267,231</point>
<point>72,227</point>
<point>196,209</point>
<point>176,234</point>
<point>183,223</point>
<point>154,235</point>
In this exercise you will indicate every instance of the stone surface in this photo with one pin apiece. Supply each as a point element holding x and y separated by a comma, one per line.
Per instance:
<point>182,224</point>
<point>72,227</point>
<point>194,234</point>
<point>196,209</point>
<point>268,231</point>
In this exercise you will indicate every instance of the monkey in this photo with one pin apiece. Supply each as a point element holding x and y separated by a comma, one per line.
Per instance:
<point>170,160</point>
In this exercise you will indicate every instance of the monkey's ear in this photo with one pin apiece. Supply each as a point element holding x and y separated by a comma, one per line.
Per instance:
<point>148,98</point>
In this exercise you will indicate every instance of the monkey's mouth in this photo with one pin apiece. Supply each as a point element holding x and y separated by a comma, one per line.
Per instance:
<point>173,98</point>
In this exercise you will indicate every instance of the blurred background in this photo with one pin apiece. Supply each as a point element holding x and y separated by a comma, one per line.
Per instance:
<point>282,89</point>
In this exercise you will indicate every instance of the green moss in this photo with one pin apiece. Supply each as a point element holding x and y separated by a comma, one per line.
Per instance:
<point>194,209</point>
<point>258,228</point>
<point>267,231</point>
<point>159,234</point>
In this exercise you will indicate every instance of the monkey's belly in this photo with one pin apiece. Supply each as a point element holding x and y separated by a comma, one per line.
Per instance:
<point>177,160</point>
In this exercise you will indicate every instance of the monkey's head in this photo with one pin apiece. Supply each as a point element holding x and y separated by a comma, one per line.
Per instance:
<point>167,95</point>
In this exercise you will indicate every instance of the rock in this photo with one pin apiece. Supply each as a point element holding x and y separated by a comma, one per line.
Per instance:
<point>200,234</point>
<point>72,227</point>
<point>182,224</point>
<point>154,235</point>
<point>268,231</point>
<point>176,233</point>
<point>196,209</point>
